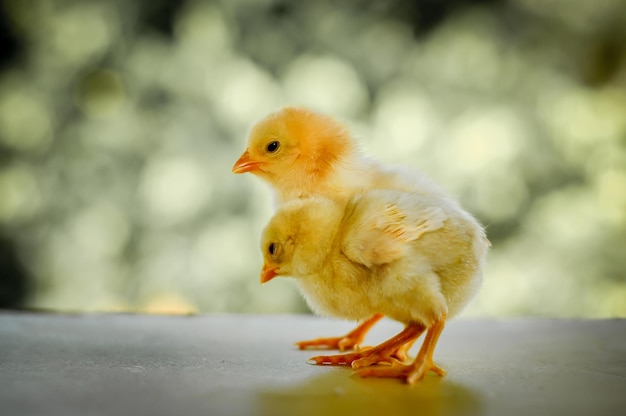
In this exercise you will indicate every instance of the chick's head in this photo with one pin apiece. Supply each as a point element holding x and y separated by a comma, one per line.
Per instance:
<point>297,239</point>
<point>293,146</point>
<point>277,245</point>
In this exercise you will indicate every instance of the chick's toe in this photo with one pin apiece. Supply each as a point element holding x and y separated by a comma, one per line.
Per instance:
<point>351,341</point>
<point>384,353</point>
<point>420,367</point>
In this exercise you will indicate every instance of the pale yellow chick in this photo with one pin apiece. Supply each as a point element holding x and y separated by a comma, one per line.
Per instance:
<point>417,259</point>
<point>301,153</point>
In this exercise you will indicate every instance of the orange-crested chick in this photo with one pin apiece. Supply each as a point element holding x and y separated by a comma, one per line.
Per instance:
<point>414,258</point>
<point>301,153</point>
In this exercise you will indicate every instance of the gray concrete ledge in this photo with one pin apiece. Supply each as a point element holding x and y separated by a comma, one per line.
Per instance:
<point>247,365</point>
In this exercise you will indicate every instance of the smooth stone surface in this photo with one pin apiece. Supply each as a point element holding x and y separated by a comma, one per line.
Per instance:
<point>247,365</point>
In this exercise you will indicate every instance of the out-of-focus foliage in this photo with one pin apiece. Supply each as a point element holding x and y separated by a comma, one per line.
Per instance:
<point>120,121</point>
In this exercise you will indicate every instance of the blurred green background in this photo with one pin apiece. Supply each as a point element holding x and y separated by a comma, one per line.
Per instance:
<point>120,121</point>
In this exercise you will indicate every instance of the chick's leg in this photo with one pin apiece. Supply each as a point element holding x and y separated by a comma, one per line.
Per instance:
<point>422,364</point>
<point>402,353</point>
<point>383,353</point>
<point>350,341</point>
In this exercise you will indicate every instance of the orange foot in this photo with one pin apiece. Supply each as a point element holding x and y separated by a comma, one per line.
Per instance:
<point>411,373</point>
<point>402,353</point>
<point>355,359</point>
<point>387,352</point>
<point>350,341</point>
<point>422,364</point>
<point>334,343</point>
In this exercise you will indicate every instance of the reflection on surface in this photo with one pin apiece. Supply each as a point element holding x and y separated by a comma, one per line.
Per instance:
<point>336,392</point>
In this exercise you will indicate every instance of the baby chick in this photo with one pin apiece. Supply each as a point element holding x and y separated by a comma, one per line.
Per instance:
<point>415,258</point>
<point>301,153</point>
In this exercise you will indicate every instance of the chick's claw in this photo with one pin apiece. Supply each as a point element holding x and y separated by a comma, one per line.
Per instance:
<point>410,373</point>
<point>351,341</point>
<point>338,359</point>
<point>374,359</point>
<point>355,359</point>
<point>335,343</point>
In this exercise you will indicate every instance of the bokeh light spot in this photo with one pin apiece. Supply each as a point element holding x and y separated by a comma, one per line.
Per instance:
<point>404,120</point>
<point>101,93</point>
<point>20,196</point>
<point>174,189</point>
<point>25,120</point>
<point>326,83</point>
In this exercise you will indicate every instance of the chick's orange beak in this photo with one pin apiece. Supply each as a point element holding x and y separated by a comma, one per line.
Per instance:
<point>268,273</point>
<point>245,164</point>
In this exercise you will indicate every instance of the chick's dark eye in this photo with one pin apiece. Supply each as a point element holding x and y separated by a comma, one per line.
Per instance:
<point>272,146</point>
<point>272,249</point>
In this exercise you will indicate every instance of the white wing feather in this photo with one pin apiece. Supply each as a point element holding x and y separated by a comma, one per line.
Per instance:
<point>382,224</point>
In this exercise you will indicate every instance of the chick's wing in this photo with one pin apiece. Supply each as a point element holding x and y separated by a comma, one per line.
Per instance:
<point>380,224</point>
